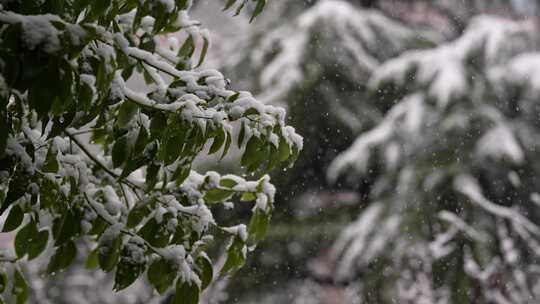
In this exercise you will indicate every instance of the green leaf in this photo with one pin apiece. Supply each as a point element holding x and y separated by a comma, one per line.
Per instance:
<point>173,147</point>
<point>180,234</point>
<point>98,226</point>
<point>227,182</point>
<point>241,135</point>
<point>228,142</point>
<point>109,253</point>
<point>154,233</point>
<point>182,4</point>
<point>99,7</point>
<point>181,174</point>
<point>4,132</point>
<point>251,111</point>
<point>3,281</point>
<point>65,227</point>
<point>50,196</point>
<point>229,4</point>
<point>206,271</point>
<point>152,171</point>
<point>39,245</point>
<point>233,97</point>
<point>161,275</point>
<point>17,188</point>
<point>30,241</point>
<point>218,141</point>
<point>92,261</point>
<point>127,271</point>
<point>235,256</point>
<point>140,143</point>
<point>187,48</point>
<point>261,155</point>
<point>146,43</point>
<point>141,155</point>
<point>148,80</point>
<point>40,98</point>
<point>20,288</point>
<point>132,163</point>
<point>85,96</point>
<point>120,151</point>
<point>252,152</point>
<point>258,9</point>
<point>204,50</point>
<point>99,136</point>
<point>14,219</point>
<point>62,257</point>
<point>273,161</point>
<point>217,195</point>
<point>284,150</point>
<point>158,125</point>
<point>137,214</point>
<point>186,293</point>
<point>50,164</point>
<point>295,154</point>
<point>258,226</point>
<point>248,197</point>
<point>239,8</point>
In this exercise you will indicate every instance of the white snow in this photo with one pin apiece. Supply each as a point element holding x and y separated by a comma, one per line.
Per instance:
<point>500,143</point>
<point>468,186</point>
<point>37,30</point>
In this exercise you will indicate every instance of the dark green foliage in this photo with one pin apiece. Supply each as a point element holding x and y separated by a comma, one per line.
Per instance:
<point>73,135</point>
<point>30,241</point>
<point>14,219</point>
<point>186,293</point>
<point>20,288</point>
<point>63,256</point>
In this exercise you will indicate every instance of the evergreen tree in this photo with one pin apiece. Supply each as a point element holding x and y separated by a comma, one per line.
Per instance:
<point>452,213</point>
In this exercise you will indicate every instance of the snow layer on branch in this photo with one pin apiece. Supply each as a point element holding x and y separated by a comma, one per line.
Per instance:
<point>357,37</point>
<point>363,241</point>
<point>440,74</point>
<point>468,186</point>
<point>448,122</point>
<point>499,143</point>
<point>487,41</point>
<point>522,71</point>
<point>456,222</point>
<point>406,116</point>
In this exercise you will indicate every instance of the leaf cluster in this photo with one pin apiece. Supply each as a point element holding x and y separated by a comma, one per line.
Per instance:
<point>82,154</point>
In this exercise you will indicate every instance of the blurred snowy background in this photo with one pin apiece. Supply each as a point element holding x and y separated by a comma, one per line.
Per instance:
<point>421,120</point>
<point>420,177</point>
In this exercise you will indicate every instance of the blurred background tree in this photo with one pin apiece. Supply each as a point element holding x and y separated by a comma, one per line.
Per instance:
<point>418,179</point>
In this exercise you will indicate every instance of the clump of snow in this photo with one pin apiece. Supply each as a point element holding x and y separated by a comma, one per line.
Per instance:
<point>36,30</point>
<point>500,143</point>
<point>535,198</point>
<point>521,71</point>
